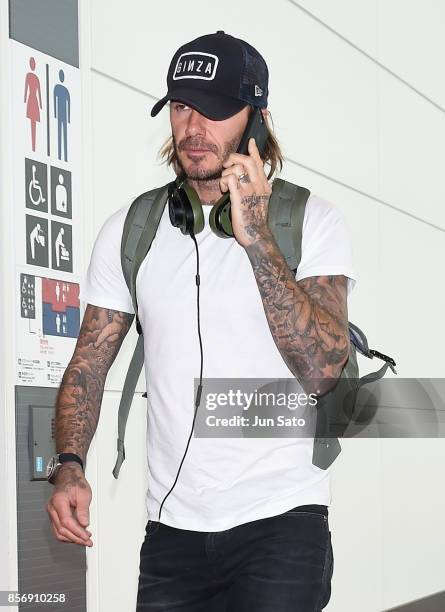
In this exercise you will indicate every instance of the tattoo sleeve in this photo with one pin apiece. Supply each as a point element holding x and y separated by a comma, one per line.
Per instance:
<point>80,393</point>
<point>308,319</point>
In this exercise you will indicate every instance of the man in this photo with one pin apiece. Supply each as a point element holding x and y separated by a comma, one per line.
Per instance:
<point>246,525</point>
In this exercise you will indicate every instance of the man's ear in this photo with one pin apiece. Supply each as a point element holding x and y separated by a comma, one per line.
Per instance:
<point>265,112</point>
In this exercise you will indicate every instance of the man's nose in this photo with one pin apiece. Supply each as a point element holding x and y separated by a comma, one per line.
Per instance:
<point>195,123</point>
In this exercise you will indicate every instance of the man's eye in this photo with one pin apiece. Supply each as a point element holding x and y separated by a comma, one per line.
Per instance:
<point>181,107</point>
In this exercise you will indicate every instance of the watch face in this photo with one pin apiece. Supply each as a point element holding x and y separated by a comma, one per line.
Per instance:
<point>51,465</point>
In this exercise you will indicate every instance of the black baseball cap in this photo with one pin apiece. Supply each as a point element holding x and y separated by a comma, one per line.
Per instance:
<point>217,74</point>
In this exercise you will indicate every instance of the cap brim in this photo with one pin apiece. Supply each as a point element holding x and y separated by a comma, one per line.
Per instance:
<point>209,104</point>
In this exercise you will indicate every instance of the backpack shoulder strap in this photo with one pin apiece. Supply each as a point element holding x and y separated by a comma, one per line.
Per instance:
<point>285,218</point>
<point>140,228</point>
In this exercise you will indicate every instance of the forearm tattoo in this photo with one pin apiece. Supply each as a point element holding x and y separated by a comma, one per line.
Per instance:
<point>257,205</point>
<point>80,393</point>
<point>308,319</point>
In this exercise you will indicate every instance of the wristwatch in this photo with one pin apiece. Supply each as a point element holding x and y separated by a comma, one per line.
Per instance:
<point>56,461</point>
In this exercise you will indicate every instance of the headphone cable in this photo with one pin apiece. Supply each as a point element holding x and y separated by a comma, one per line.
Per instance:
<point>199,391</point>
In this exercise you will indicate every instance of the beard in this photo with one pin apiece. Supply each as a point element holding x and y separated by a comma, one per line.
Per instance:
<point>195,172</point>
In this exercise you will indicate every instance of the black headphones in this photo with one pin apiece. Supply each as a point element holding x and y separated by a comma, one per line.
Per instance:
<point>185,210</point>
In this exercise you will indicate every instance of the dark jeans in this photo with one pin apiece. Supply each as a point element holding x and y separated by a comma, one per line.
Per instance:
<point>279,564</point>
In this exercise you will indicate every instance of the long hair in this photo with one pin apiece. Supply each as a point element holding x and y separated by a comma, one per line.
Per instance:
<point>272,155</point>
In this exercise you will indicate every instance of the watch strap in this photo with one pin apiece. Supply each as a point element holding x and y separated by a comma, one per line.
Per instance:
<point>64,457</point>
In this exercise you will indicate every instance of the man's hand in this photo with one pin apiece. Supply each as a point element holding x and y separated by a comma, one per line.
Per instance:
<point>68,507</point>
<point>249,195</point>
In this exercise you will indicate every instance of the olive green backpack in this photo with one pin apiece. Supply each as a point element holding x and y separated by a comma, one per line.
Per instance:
<point>285,219</point>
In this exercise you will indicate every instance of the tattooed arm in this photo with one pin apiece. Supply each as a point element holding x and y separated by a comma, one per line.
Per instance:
<point>77,413</point>
<point>308,319</point>
<point>80,393</point>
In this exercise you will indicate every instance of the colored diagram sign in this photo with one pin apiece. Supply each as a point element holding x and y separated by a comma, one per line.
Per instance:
<point>48,313</point>
<point>61,308</point>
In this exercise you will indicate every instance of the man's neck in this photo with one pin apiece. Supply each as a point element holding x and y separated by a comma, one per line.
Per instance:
<point>208,191</point>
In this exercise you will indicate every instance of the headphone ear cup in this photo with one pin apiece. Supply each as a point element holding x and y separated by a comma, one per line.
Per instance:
<point>196,211</point>
<point>185,209</point>
<point>220,219</point>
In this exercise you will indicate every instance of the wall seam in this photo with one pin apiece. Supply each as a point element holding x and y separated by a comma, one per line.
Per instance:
<point>365,54</point>
<point>365,194</point>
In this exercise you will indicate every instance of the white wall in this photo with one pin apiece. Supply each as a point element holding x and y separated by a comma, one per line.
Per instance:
<point>359,111</point>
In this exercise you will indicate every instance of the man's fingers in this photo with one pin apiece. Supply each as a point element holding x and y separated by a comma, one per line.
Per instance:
<point>64,522</point>
<point>253,151</point>
<point>65,535</point>
<point>82,507</point>
<point>62,534</point>
<point>71,540</point>
<point>236,169</point>
<point>68,521</point>
<point>57,534</point>
<point>253,164</point>
<point>82,516</point>
<point>229,182</point>
<point>60,530</point>
<point>223,185</point>
<point>255,155</point>
<point>245,161</point>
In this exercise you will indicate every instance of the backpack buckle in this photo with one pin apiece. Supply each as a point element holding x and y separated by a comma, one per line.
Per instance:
<point>389,360</point>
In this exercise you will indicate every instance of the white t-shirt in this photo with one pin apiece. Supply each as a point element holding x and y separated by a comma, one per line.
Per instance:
<point>223,481</point>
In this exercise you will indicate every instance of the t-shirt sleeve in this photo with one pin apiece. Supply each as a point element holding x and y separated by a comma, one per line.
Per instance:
<point>104,283</point>
<point>326,245</point>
